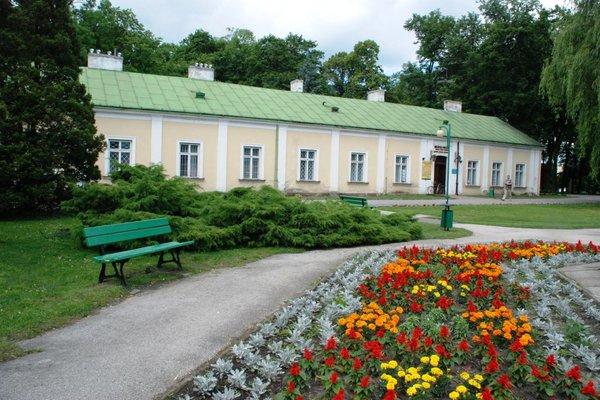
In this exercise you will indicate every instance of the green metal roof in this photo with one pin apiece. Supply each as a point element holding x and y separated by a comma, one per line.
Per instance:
<point>134,91</point>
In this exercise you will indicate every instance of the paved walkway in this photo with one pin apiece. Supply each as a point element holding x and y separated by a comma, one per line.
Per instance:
<point>144,346</point>
<point>473,200</point>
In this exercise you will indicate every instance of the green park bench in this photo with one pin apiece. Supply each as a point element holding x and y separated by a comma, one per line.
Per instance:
<point>116,233</point>
<point>354,200</point>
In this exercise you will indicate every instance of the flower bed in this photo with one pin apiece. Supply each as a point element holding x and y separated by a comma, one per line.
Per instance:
<point>473,322</point>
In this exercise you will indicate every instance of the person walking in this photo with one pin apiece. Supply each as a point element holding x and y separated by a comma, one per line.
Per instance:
<point>507,188</point>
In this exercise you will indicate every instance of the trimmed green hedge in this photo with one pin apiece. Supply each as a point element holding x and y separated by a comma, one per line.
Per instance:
<point>242,217</point>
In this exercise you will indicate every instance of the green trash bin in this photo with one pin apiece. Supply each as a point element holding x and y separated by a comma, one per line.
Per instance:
<point>492,193</point>
<point>447,219</point>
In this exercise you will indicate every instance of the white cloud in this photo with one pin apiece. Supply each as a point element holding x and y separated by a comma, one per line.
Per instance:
<point>336,25</point>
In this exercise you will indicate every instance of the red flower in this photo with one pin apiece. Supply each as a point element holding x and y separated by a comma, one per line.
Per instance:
<point>295,370</point>
<point>401,338</point>
<point>492,352</point>
<point>416,307</point>
<point>492,366</point>
<point>487,395</point>
<point>365,382</point>
<point>504,380</point>
<point>357,365</point>
<point>428,341</point>
<point>307,355</point>
<point>352,334</point>
<point>333,378</point>
<point>589,389</point>
<point>444,332</point>
<point>574,373</point>
<point>291,386</point>
<point>441,350</point>
<point>523,359</point>
<point>344,353</point>
<point>331,344</point>
<point>390,395</point>
<point>551,361</point>
<point>417,333</point>
<point>535,371</point>
<point>339,395</point>
<point>464,345</point>
<point>516,346</point>
<point>380,333</point>
<point>330,361</point>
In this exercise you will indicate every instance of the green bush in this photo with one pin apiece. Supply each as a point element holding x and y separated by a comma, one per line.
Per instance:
<point>241,217</point>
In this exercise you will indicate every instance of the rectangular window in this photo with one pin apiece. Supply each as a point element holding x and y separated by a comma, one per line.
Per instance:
<point>497,174</point>
<point>520,175</point>
<point>357,167</point>
<point>472,167</point>
<point>401,169</point>
<point>119,152</point>
<point>189,160</point>
<point>251,162</point>
<point>307,168</point>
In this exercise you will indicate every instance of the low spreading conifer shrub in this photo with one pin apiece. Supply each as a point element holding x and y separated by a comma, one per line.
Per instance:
<point>242,217</point>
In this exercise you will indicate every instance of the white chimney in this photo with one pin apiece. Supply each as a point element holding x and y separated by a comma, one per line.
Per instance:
<point>109,61</point>
<point>297,85</point>
<point>452,105</point>
<point>376,95</point>
<point>203,72</point>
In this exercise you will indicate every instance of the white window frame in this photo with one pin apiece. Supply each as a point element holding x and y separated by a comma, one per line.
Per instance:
<point>475,181</point>
<point>520,183</point>
<point>200,166</point>
<point>261,162</point>
<point>499,181</point>
<point>315,162</point>
<point>365,168</point>
<point>398,179</point>
<point>107,170</point>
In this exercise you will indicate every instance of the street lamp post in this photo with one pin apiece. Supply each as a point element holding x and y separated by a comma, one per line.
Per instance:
<point>446,128</point>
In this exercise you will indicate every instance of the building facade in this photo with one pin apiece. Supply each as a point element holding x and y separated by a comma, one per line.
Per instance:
<point>222,136</point>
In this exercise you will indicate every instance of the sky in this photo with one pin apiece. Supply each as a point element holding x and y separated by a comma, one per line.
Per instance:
<point>336,25</point>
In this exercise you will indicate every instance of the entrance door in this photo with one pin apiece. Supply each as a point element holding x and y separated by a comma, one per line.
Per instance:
<point>439,175</point>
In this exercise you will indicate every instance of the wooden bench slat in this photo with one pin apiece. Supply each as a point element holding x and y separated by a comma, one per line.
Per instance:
<point>123,236</point>
<point>143,251</point>
<point>124,227</point>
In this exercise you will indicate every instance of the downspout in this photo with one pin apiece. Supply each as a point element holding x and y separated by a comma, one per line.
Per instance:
<point>458,160</point>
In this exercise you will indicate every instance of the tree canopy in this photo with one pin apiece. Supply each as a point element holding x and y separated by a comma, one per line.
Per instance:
<point>571,78</point>
<point>47,133</point>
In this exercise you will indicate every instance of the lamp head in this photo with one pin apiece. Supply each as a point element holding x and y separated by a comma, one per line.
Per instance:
<point>440,133</point>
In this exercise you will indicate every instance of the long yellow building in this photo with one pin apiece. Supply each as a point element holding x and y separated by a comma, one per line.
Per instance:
<point>223,135</point>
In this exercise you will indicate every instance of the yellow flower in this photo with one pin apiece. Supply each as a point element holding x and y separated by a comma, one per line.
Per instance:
<point>479,378</point>
<point>479,395</point>
<point>461,389</point>
<point>411,391</point>
<point>474,383</point>
<point>390,386</point>
<point>401,374</point>
<point>454,395</point>
<point>426,385</point>
<point>425,360</point>
<point>393,364</point>
<point>434,360</point>
<point>465,375</point>
<point>437,372</point>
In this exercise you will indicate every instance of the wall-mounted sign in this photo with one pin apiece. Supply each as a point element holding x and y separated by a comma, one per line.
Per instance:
<point>442,150</point>
<point>426,170</point>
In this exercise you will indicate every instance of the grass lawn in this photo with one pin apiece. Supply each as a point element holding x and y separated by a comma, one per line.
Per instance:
<point>47,280</point>
<point>543,216</point>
